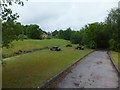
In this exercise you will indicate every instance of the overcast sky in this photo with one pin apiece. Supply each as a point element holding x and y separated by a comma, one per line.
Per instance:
<point>63,14</point>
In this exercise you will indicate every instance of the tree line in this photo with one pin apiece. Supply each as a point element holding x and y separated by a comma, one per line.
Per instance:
<point>13,30</point>
<point>17,31</point>
<point>96,35</point>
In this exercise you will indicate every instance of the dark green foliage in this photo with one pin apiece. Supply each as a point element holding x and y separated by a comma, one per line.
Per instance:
<point>76,37</point>
<point>104,35</point>
<point>55,34</point>
<point>12,30</point>
<point>61,34</point>
<point>90,35</point>
<point>65,34</point>
<point>9,25</point>
<point>113,22</point>
<point>33,32</point>
<point>7,33</point>
<point>96,35</point>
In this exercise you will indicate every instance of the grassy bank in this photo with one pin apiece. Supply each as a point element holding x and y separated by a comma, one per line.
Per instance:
<point>33,44</point>
<point>115,58</point>
<point>32,69</point>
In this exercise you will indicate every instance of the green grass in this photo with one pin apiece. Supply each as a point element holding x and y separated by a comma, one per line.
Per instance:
<point>115,58</point>
<point>32,69</point>
<point>32,44</point>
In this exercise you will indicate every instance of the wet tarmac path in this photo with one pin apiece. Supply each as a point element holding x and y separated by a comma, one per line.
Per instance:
<point>95,71</point>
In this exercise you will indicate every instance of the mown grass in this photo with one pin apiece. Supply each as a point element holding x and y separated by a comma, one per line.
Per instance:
<point>33,44</point>
<point>115,58</point>
<point>32,69</point>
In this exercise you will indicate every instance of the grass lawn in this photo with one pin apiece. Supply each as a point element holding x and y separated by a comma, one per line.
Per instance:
<point>32,69</point>
<point>32,44</point>
<point>115,58</point>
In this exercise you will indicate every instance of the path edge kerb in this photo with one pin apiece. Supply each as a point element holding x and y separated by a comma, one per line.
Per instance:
<point>46,83</point>
<point>108,52</point>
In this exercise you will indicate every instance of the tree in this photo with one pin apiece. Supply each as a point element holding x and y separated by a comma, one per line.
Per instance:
<point>60,34</point>
<point>10,32</point>
<point>55,33</point>
<point>90,35</point>
<point>9,22</point>
<point>34,32</point>
<point>65,34</point>
<point>113,26</point>
<point>77,37</point>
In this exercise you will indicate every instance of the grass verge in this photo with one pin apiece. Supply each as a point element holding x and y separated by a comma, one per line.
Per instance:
<point>115,58</point>
<point>33,44</point>
<point>32,69</point>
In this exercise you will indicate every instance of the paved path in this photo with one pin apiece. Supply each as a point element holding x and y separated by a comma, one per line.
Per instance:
<point>95,71</point>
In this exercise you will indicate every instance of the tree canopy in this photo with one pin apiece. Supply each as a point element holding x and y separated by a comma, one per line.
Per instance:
<point>9,32</point>
<point>96,35</point>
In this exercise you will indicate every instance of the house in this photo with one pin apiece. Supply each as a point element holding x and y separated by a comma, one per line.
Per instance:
<point>44,35</point>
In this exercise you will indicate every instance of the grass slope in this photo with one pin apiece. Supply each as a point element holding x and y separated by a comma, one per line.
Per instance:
<point>32,69</point>
<point>115,58</point>
<point>32,44</point>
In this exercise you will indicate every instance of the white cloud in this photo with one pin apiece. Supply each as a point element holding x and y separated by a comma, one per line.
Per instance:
<point>61,15</point>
